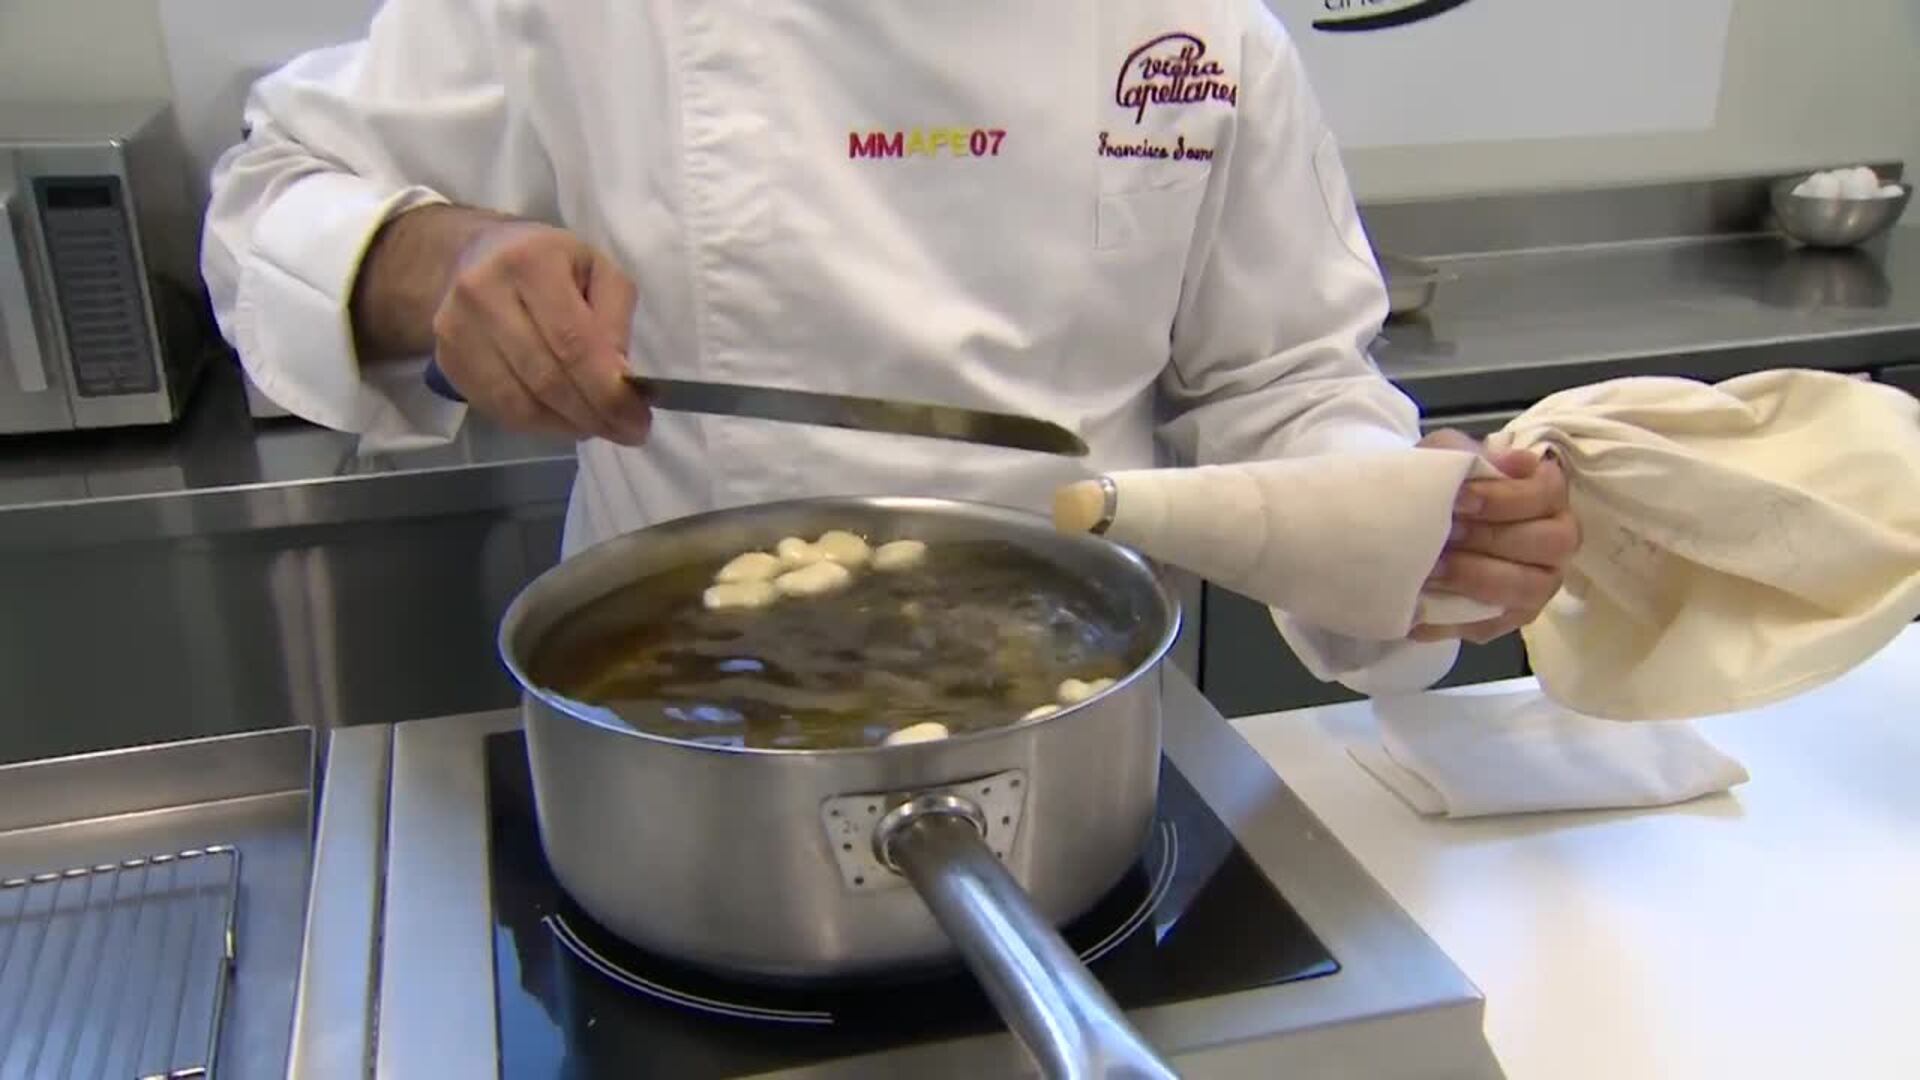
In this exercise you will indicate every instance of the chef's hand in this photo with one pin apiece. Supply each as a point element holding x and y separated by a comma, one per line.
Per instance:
<point>1512,539</point>
<point>533,332</point>
<point>527,321</point>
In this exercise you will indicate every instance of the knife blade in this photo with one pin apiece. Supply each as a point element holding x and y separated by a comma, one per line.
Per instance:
<point>860,414</point>
<point>847,411</point>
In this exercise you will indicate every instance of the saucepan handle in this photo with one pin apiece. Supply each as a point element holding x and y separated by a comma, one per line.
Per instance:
<point>1048,998</point>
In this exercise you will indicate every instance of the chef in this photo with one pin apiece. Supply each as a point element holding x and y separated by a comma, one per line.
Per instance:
<point>1127,217</point>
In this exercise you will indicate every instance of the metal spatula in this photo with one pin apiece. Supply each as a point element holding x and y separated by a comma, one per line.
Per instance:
<point>841,411</point>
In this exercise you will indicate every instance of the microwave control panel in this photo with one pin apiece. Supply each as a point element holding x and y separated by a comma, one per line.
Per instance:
<point>91,257</point>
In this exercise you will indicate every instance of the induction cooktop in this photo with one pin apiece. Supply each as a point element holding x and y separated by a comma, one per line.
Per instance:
<point>1193,918</point>
<point>439,944</point>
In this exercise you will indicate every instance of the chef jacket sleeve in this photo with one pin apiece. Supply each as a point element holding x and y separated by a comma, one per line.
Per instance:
<point>1281,301</point>
<point>338,142</point>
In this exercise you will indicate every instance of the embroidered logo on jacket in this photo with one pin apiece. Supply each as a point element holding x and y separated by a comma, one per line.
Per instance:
<point>926,142</point>
<point>1172,69</point>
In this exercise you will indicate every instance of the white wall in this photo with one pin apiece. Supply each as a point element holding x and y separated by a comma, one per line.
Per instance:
<point>90,49</point>
<point>1806,82</point>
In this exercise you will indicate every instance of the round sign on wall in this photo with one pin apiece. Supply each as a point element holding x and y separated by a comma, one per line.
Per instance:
<point>1359,16</point>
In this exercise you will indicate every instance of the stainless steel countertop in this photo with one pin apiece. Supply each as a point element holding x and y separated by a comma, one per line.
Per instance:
<point>1513,327</point>
<point>220,469</point>
<point>1510,328</point>
<point>399,948</point>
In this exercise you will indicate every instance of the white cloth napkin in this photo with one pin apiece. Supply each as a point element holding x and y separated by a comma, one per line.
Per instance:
<point>1473,755</point>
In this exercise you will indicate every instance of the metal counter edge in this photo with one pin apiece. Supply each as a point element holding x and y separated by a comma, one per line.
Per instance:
<point>248,508</point>
<point>339,979</point>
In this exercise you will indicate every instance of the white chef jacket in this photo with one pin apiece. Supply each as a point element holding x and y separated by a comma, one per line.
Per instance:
<point>1126,216</point>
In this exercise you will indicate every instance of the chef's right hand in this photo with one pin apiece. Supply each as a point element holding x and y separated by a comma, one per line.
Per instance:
<point>533,332</point>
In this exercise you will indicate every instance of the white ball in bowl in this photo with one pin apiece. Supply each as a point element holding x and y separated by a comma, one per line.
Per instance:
<point>1859,183</point>
<point>1821,185</point>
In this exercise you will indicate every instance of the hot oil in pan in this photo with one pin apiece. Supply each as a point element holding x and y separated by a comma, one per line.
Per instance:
<point>973,637</point>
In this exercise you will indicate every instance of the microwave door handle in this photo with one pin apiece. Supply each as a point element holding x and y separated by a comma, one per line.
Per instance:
<point>16,307</point>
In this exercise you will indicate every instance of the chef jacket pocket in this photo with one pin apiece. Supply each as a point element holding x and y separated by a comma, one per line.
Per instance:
<point>1155,219</point>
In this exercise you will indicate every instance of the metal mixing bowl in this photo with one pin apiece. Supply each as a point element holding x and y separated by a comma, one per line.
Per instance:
<point>1835,222</point>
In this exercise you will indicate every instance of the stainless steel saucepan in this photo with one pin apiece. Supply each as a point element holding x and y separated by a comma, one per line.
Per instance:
<point>798,864</point>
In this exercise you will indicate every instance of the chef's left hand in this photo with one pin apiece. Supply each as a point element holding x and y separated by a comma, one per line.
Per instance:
<point>1512,539</point>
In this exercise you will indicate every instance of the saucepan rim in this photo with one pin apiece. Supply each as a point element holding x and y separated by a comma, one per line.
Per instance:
<point>603,719</point>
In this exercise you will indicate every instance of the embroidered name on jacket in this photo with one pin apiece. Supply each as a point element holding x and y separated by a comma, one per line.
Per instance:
<point>1172,69</point>
<point>1178,150</point>
<point>957,142</point>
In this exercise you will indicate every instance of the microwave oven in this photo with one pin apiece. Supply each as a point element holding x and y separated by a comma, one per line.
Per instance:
<point>103,322</point>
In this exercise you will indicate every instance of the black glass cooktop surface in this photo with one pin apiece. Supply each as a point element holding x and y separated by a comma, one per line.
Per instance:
<point>1194,918</point>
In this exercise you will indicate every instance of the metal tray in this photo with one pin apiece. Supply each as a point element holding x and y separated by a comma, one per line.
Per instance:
<point>1411,283</point>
